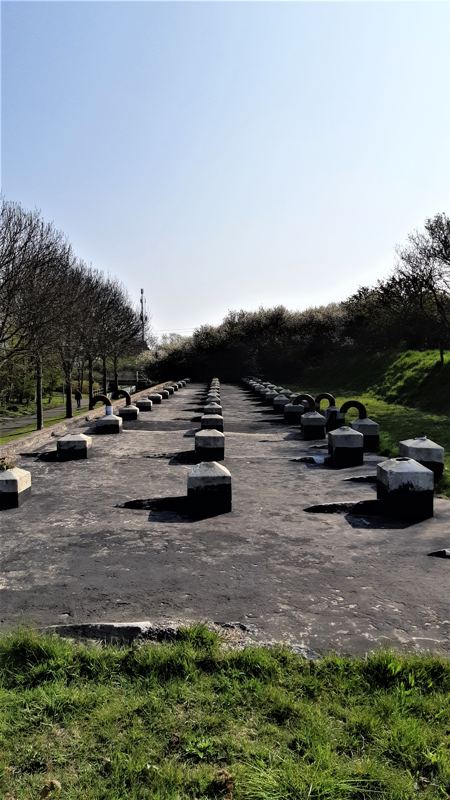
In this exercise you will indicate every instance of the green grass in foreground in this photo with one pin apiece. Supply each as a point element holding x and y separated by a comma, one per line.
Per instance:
<point>189,719</point>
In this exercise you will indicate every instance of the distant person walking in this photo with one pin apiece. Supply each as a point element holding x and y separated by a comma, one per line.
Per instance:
<point>78,397</point>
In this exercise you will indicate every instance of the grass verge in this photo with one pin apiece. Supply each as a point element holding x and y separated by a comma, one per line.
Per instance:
<point>25,409</point>
<point>17,433</point>
<point>188,719</point>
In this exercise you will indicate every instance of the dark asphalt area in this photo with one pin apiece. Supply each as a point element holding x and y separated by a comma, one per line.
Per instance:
<point>74,552</point>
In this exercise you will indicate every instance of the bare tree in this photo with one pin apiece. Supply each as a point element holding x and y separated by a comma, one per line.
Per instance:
<point>74,291</point>
<point>39,301</point>
<point>423,268</point>
<point>19,233</point>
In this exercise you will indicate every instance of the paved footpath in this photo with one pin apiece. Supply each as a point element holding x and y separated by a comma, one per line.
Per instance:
<point>75,552</point>
<point>10,424</point>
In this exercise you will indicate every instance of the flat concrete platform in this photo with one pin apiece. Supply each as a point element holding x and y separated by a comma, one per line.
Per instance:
<point>109,539</point>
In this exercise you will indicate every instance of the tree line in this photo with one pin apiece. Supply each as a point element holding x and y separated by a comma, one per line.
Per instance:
<point>56,312</point>
<point>409,309</point>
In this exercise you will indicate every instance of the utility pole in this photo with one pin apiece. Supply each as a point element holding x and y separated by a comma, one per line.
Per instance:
<point>143,315</point>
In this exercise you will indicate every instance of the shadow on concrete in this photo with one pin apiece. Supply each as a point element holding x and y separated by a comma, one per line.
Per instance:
<point>363,514</point>
<point>50,456</point>
<point>362,479</point>
<point>191,433</point>
<point>160,455</point>
<point>319,460</point>
<point>168,509</point>
<point>185,457</point>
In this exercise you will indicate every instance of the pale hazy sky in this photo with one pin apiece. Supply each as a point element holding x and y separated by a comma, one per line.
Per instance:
<point>229,155</point>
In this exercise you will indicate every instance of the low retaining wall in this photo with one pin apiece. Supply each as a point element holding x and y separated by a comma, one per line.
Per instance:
<point>36,438</point>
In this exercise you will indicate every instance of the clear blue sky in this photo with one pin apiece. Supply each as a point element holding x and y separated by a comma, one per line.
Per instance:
<point>229,155</point>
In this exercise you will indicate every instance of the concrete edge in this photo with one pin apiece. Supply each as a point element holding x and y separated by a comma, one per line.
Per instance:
<point>30,440</point>
<point>235,635</point>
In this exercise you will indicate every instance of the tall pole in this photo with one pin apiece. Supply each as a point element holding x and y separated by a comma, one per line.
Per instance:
<point>143,315</point>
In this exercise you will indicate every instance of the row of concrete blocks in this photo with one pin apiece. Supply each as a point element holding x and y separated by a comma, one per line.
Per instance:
<point>210,439</point>
<point>346,449</point>
<point>209,483</point>
<point>345,445</point>
<point>405,484</point>
<point>304,410</point>
<point>112,423</point>
<point>15,483</point>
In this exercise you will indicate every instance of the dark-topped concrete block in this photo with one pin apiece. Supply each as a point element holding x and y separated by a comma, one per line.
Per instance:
<point>406,488</point>
<point>15,487</point>
<point>73,446</point>
<point>426,452</point>
<point>129,413</point>
<point>145,404</point>
<point>209,488</point>
<point>210,445</point>
<point>110,423</point>
<point>346,447</point>
<point>212,422</point>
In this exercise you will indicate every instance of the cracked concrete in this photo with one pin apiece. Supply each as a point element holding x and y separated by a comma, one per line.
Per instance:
<point>74,553</point>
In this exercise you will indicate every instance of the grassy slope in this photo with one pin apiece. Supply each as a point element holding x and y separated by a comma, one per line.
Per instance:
<point>190,720</point>
<point>407,393</point>
<point>410,378</point>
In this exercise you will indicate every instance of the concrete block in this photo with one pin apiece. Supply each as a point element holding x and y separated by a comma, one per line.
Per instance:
<point>174,386</point>
<point>15,487</point>
<point>210,445</point>
<point>73,446</point>
<point>211,421</point>
<point>145,404</point>
<point>426,452</point>
<point>313,425</point>
<point>269,396</point>
<point>346,447</point>
<point>333,418</point>
<point>371,432</point>
<point>213,408</point>
<point>156,398</point>
<point>110,423</point>
<point>171,390</point>
<point>165,394</point>
<point>209,488</point>
<point>130,412</point>
<point>279,402</point>
<point>293,413</point>
<point>406,488</point>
